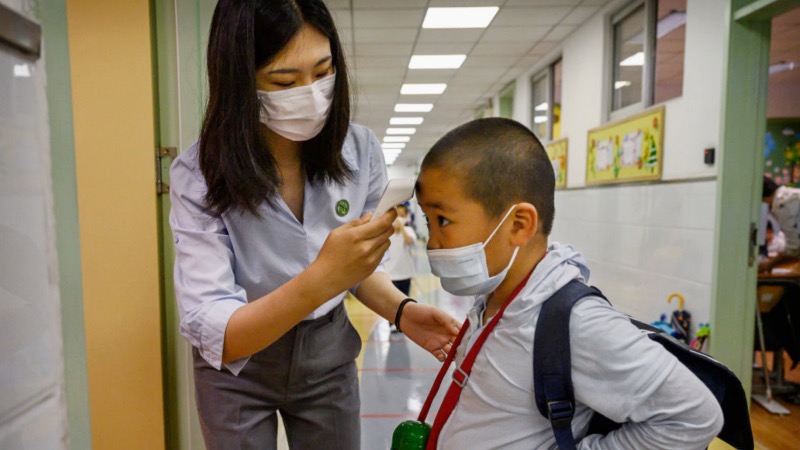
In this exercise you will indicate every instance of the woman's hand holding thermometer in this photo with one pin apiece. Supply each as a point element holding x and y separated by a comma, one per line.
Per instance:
<point>397,191</point>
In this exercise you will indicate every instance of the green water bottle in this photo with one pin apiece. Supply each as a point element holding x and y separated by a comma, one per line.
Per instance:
<point>411,435</point>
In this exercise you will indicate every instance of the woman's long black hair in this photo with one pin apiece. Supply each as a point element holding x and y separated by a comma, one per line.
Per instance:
<point>238,168</point>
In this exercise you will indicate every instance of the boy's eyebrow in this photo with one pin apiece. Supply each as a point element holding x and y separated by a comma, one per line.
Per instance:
<point>320,62</point>
<point>437,205</point>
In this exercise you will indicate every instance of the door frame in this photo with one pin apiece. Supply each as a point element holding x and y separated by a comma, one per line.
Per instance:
<point>740,166</point>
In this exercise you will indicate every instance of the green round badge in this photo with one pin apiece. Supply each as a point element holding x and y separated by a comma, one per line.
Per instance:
<point>342,208</point>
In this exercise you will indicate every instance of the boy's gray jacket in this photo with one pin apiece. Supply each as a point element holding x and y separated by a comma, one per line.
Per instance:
<point>616,370</point>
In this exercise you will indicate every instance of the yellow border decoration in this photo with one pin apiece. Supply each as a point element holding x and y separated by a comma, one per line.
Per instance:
<point>627,150</point>
<point>557,152</point>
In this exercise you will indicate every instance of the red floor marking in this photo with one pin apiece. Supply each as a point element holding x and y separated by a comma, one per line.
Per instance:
<point>399,369</point>
<point>372,341</point>
<point>388,416</point>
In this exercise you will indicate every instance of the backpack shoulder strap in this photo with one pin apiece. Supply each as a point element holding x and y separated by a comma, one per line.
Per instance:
<point>552,362</point>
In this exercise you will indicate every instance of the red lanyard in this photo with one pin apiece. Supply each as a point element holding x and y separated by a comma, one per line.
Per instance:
<point>461,374</point>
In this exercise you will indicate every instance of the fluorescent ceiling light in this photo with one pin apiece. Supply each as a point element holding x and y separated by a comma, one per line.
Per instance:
<point>423,89</point>
<point>405,120</point>
<point>475,17</point>
<point>541,107</point>
<point>782,66</point>
<point>22,70</point>
<point>413,107</point>
<point>387,145</point>
<point>621,84</point>
<point>436,61</point>
<point>540,119</point>
<point>401,130</point>
<point>396,139</point>
<point>637,59</point>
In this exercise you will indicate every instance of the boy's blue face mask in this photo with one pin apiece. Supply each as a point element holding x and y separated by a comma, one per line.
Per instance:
<point>463,270</point>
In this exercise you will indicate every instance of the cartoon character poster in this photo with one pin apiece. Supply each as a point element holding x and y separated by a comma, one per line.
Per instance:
<point>557,151</point>
<point>627,150</point>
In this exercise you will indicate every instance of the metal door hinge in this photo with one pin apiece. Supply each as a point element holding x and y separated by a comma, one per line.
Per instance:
<point>161,153</point>
<point>751,259</point>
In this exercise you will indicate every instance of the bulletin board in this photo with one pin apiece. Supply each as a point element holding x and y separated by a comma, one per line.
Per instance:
<point>557,152</point>
<point>628,150</point>
<point>782,151</point>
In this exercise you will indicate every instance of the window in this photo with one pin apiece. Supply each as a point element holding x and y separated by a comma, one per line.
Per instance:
<point>541,107</point>
<point>486,110</point>
<point>546,102</point>
<point>507,101</point>
<point>648,50</point>
<point>555,131</point>
<point>670,42</point>
<point>628,59</point>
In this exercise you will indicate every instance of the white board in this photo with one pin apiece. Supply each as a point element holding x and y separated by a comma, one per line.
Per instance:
<point>32,405</point>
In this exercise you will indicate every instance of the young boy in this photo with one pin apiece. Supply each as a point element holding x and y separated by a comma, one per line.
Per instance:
<point>487,191</point>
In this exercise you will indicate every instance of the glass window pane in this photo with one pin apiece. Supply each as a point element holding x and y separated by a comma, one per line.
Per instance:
<point>541,110</point>
<point>556,130</point>
<point>670,42</point>
<point>507,102</point>
<point>628,59</point>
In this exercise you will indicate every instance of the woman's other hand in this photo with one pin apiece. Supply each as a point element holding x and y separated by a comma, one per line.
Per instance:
<point>430,328</point>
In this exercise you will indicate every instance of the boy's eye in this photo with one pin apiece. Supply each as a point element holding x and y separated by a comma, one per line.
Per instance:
<point>442,221</point>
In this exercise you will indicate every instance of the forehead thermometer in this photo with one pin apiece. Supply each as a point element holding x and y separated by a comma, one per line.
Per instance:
<point>397,191</point>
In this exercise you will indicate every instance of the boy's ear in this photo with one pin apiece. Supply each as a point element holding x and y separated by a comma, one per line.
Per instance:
<point>525,224</point>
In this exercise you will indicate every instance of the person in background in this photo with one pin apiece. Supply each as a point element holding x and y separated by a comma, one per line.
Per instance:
<point>487,190</point>
<point>783,320</point>
<point>784,206</point>
<point>271,229</point>
<point>400,266</point>
<point>776,240</point>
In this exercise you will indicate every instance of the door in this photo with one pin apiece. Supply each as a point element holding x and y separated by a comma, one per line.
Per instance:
<point>181,32</point>
<point>743,127</point>
<point>181,37</point>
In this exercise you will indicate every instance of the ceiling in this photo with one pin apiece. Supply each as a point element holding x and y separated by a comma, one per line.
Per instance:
<point>381,35</point>
<point>784,86</point>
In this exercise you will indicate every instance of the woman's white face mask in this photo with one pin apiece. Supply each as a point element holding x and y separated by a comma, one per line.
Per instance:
<point>463,270</point>
<point>300,113</point>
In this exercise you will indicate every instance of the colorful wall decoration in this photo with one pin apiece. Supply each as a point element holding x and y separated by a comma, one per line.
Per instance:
<point>557,151</point>
<point>782,151</point>
<point>628,150</point>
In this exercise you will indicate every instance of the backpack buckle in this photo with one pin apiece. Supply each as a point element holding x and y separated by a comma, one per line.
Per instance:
<point>560,413</point>
<point>464,377</point>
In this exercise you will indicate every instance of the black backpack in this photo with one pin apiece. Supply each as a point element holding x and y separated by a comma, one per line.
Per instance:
<point>552,375</point>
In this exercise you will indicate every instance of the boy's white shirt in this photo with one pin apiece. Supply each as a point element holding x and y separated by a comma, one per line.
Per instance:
<point>616,370</point>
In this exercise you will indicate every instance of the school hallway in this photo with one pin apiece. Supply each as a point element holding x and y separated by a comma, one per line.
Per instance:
<point>659,118</point>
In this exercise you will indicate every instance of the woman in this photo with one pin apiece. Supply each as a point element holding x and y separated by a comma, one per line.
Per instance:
<point>265,216</point>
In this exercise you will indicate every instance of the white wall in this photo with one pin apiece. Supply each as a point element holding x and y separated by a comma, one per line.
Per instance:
<point>692,120</point>
<point>402,171</point>
<point>644,241</point>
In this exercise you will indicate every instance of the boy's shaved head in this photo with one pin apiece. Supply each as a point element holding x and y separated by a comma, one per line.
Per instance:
<point>500,162</point>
